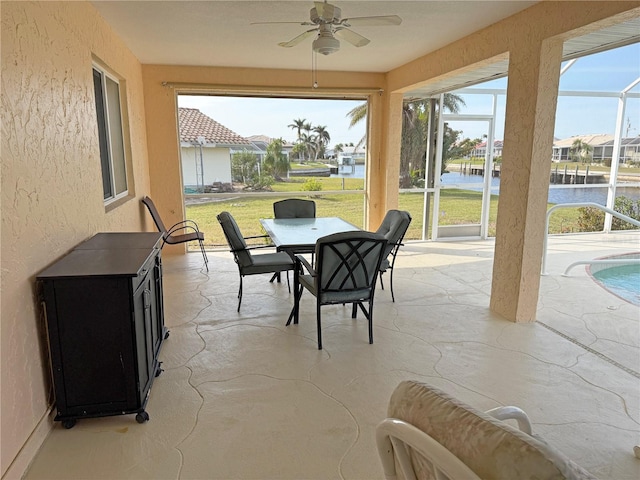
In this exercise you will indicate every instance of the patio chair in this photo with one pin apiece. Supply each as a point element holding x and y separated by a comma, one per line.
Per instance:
<point>393,227</point>
<point>249,264</point>
<point>346,270</point>
<point>431,435</point>
<point>171,236</point>
<point>294,208</point>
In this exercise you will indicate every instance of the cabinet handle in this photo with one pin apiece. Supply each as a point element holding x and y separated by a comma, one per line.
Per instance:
<point>147,298</point>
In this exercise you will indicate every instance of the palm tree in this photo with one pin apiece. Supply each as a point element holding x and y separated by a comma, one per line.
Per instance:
<point>580,150</point>
<point>298,125</point>
<point>322,138</point>
<point>338,149</point>
<point>357,114</point>
<point>275,159</point>
<point>307,141</point>
<point>415,120</point>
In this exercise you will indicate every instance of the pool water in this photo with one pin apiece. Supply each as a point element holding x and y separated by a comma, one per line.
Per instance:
<point>621,280</point>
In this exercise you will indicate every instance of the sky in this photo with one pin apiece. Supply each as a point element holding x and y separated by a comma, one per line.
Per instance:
<point>609,71</point>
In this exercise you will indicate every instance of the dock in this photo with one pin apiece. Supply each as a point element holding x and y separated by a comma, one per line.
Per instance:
<point>563,176</point>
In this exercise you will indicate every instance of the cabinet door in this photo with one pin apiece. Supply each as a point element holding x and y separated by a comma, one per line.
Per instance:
<point>143,304</point>
<point>90,338</point>
<point>159,303</point>
<point>157,318</point>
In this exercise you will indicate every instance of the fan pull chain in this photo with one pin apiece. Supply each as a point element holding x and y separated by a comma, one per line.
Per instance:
<point>314,69</point>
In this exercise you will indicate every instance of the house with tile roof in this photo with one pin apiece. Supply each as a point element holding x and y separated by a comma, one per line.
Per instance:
<point>480,150</point>
<point>206,148</point>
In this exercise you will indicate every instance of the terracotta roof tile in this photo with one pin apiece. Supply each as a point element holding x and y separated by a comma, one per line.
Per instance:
<point>193,124</point>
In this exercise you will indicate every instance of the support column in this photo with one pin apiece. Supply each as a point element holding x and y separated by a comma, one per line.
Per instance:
<point>534,73</point>
<point>383,168</point>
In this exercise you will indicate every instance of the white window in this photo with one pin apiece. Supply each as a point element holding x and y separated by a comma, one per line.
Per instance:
<point>112,156</point>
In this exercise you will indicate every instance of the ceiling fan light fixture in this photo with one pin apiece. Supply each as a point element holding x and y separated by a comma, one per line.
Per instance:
<point>326,44</point>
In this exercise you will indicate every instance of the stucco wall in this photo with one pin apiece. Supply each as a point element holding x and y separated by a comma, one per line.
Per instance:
<point>51,182</point>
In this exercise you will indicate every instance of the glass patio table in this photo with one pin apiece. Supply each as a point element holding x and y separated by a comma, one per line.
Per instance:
<point>299,235</point>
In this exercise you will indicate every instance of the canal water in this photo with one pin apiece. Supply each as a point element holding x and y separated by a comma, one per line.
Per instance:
<point>556,195</point>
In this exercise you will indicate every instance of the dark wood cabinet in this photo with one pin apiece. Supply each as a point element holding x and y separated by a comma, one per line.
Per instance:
<point>105,320</point>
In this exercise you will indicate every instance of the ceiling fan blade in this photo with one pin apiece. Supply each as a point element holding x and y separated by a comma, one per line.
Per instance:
<point>281,23</point>
<point>352,37</point>
<point>296,40</point>
<point>380,21</point>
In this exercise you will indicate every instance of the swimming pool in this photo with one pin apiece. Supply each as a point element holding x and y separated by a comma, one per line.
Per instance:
<point>619,279</point>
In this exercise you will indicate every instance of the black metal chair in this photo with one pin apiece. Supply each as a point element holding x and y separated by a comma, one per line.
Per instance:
<point>294,208</point>
<point>346,270</point>
<point>171,237</point>
<point>393,228</point>
<point>249,264</point>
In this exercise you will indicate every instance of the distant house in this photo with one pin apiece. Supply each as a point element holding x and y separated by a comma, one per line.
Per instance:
<point>354,155</point>
<point>261,142</point>
<point>205,149</point>
<point>629,150</point>
<point>480,150</point>
<point>602,145</point>
<point>562,148</point>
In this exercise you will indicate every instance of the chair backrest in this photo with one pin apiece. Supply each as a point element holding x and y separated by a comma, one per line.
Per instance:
<point>347,264</point>
<point>462,435</point>
<point>154,214</point>
<point>235,239</point>
<point>294,208</point>
<point>393,228</point>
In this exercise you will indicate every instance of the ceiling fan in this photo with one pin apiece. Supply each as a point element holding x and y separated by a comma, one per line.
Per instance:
<point>329,24</point>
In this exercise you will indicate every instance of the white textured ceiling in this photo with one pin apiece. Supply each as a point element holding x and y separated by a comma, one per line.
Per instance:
<point>218,33</point>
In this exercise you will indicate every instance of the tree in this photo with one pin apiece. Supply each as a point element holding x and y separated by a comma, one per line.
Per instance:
<point>415,121</point>
<point>338,149</point>
<point>465,147</point>
<point>243,166</point>
<point>298,125</point>
<point>322,139</point>
<point>308,144</point>
<point>580,151</point>
<point>276,161</point>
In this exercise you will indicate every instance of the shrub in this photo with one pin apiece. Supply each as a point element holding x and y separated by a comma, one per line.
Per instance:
<point>591,219</point>
<point>260,183</point>
<point>311,185</point>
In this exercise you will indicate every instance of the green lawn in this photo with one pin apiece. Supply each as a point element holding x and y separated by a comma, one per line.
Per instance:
<point>456,207</point>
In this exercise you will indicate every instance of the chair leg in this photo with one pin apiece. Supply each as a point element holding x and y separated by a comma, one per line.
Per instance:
<point>240,294</point>
<point>370,317</point>
<point>297,293</point>
<point>319,324</point>
<point>393,298</point>
<point>381,284</point>
<point>204,254</point>
<point>354,310</point>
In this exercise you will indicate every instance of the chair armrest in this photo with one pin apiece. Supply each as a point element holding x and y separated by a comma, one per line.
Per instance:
<point>300,260</point>
<point>252,237</point>
<point>255,247</point>
<point>183,225</point>
<point>512,413</point>
<point>256,236</point>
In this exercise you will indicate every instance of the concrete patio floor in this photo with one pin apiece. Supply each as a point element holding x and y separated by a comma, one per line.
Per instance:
<point>244,396</point>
